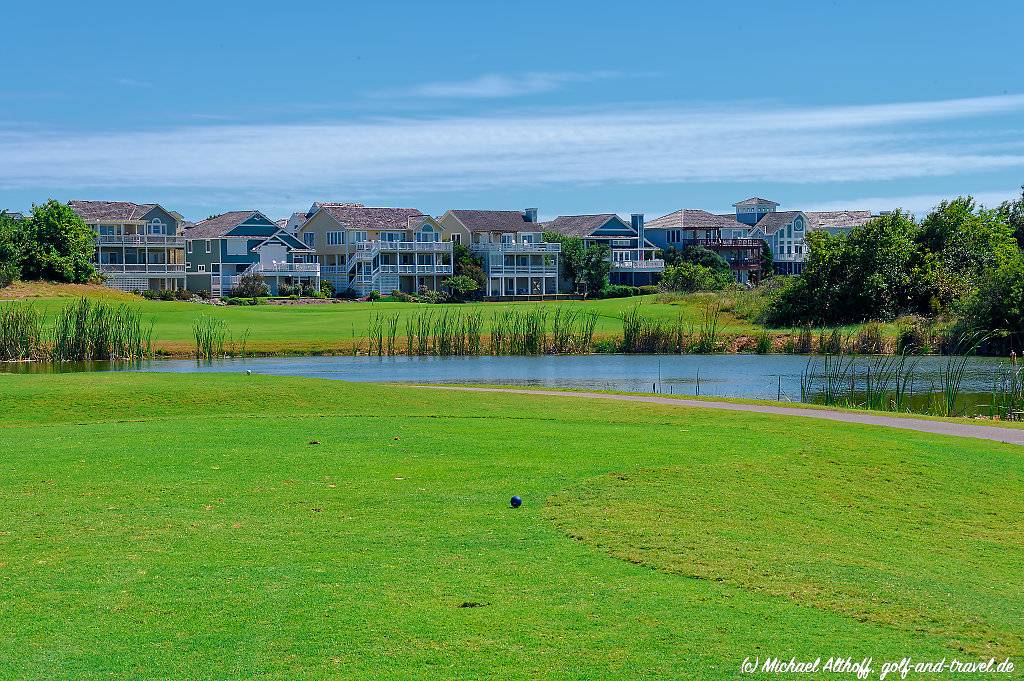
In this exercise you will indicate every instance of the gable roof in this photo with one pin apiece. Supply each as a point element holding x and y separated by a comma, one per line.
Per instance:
<point>359,217</point>
<point>112,211</point>
<point>495,221</point>
<point>773,222</point>
<point>581,225</point>
<point>691,218</point>
<point>220,225</point>
<point>755,201</point>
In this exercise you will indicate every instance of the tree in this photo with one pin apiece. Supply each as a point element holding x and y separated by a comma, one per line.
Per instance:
<point>687,277</point>
<point>597,263</point>
<point>767,261</point>
<point>877,271</point>
<point>56,245</point>
<point>997,306</point>
<point>460,287</point>
<point>466,265</point>
<point>705,257</point>
<point>961,241</point>
<point>250,285</point>
<point>571,259</point>
<point>10,256</point>
<point>1013,213</point>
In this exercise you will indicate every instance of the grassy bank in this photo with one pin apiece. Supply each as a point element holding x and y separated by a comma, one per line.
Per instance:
<point>656,323</point>
<point>186,526</point>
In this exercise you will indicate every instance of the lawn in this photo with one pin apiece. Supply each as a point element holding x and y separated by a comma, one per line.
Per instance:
<point>331,328</point>
<point>186,526</point>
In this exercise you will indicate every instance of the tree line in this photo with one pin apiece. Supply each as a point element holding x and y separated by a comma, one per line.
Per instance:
<point>52,243</point>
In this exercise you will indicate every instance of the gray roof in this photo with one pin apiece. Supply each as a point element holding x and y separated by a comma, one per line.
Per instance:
<point>495,221</point>
<point>690,218</point>
<point>755,201</point>
<point>358,216</point>
<point>218,225</point>
<point>578,225</point>
<point>110,211</point>
<point>773,222</point>
<point>843,219</point>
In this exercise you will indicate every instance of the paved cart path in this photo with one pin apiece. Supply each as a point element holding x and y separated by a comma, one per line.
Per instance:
<point>1011,435</point>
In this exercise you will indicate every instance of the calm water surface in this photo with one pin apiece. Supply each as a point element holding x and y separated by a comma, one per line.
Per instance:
<point>750,376</point>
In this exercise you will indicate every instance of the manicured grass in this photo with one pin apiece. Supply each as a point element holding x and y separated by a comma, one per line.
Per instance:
<point>331,328</point>
<point>183,526</point>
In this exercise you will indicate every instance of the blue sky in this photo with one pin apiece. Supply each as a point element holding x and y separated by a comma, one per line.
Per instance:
<point>570,107</point>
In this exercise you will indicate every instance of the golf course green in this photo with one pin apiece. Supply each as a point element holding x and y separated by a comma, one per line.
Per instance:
<point>230,526</point>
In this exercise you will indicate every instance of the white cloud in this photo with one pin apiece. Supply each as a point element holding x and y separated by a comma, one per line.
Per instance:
<point>629,145</point>
<point>492,86</point>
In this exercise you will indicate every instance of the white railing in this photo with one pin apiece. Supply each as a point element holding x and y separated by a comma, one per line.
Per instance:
<point>542,247</point>
<point>148,268</point>
<point>405,246</point>
<point>334,269</point>
<point>652,265</point>
<point>417,269</point>
<point>522,270</point>
<point>286,267</point>
<point>140,240</point>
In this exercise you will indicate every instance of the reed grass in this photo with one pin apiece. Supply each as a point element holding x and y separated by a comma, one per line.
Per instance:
<point>96,330</point>
<point>21,333</point>
<point>210,334</point>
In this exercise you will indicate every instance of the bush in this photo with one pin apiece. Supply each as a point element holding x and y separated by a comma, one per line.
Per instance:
<point>242,301</point>
<point>619,291</point>
<point>149,294</point>
<point>250,285</point>
<point>182,294</point>
<point>166,294</point>
<point>460,287</point>
<point>203,293</point>
<point>348,294</point>
<point>326,288</point>
<point>402,297</point>
<point>650,289</point>
<point>374,295</point>
<point>687,277</point>
<point>289,290</point>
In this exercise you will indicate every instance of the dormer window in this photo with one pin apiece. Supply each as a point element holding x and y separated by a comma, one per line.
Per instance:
<point>798,224</point>
<point>156,226</point>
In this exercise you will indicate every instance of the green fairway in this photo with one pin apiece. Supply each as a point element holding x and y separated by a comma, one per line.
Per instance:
<point>186,526</point>
<point>331,328</point>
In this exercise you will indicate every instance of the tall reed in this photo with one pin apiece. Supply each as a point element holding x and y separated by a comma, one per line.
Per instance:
<point>209,333</point>
<point>97,330</point>
<point>21,333</point>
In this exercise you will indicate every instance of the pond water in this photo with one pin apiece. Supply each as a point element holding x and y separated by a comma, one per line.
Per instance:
<point>749,376</point>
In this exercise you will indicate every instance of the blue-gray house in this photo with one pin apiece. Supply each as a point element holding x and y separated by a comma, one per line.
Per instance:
<point>220,249</point>
<point>633,255</point>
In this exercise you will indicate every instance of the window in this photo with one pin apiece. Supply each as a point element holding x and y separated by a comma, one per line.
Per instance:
<point>202,268</point>
<point>107,230</point>
<point>427,235</point>
<point>335,238</point>
<point>798,224</point>
<point>188,246</point>
<point>208,246</point>
<point>508,238</point>
<point>309,238</point>
<point>391,237</point>
<point>156,226</point>
<point>359,236</point>
<point>620,242</point>
<point>456,238</point>
<point>237,247</point>
<point>675,236</point>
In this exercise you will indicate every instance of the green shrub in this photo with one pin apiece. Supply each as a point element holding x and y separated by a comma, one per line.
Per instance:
<point>619,291</point>
<point>649,289</point>
<point>250,285</point>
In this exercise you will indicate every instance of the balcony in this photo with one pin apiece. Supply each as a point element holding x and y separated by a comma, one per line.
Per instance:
<point>416,269</point>
<point>159,268</point>
<point>651,265</point>
<point>542,247</point>
<point>725,243</point>
<point>405,246</point>
<point>286,268</point>
<point>140,240</point>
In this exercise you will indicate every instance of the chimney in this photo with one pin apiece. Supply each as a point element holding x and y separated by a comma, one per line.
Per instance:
<point>637,221</point>
<point>530,215</point>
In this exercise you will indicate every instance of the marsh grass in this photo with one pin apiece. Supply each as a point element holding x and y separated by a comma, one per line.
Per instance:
<point>21,333</point>
<point>209,334</point>
<point>98,330</point>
